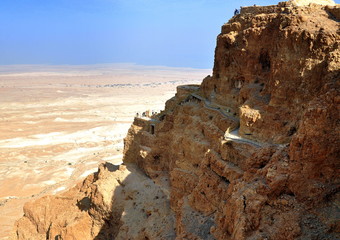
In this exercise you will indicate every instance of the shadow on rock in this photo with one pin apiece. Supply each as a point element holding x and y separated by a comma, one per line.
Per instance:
<point>140,208</point>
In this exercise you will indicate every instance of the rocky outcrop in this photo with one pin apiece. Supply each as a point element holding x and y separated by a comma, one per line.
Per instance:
<point>307,2</point>
<point>114,203</point>
<point>275,82</point>
<point>251,153</point>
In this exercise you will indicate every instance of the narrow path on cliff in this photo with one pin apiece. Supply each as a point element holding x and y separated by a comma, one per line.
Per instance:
<point>234,136</point>
<point>207,104</point>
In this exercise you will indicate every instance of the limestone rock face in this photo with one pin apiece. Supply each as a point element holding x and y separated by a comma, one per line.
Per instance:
<point>251,153</point>
<point>268,66</point>
<point>114,203</point>
<point>307,2</point>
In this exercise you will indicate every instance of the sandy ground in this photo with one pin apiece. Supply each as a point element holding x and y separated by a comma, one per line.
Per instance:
<point>57,123</point>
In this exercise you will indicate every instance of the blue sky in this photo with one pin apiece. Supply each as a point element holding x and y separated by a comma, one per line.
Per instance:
<point>178,33</point>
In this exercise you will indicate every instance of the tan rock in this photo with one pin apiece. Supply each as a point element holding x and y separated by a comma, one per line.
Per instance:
<point>276,81</point>
<point>307,2</point>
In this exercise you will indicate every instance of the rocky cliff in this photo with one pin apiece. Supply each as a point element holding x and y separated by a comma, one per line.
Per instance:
<point>251,153</point>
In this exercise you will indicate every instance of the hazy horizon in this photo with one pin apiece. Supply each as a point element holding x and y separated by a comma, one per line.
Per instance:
<point>99,68</point>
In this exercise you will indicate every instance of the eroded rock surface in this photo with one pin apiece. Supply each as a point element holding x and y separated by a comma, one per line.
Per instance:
<point>251,153</point>
<point>117,202</point>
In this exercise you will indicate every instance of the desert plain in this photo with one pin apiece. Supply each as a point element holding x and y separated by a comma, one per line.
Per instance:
<point>58,123</point>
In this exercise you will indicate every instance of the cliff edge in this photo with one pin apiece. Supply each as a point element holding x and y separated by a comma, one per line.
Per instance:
<point>251,153</point>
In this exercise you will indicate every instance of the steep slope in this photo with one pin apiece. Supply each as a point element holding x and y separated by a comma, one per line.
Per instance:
<point>276,83</point>
<point>251,153</point>
<point>114,203</point>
